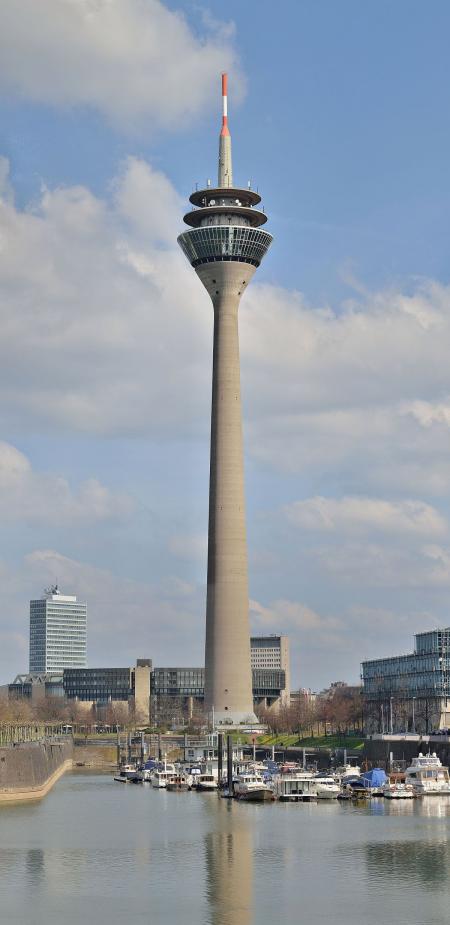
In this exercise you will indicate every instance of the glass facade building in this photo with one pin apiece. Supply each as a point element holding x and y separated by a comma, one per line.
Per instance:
<point>58,624</point>
<point>190,682</point>
<point>425,672</point>
<point>410,693</point>
<point>98,684</point>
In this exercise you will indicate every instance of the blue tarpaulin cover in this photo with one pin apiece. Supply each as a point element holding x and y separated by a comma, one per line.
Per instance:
<point>374,778</point>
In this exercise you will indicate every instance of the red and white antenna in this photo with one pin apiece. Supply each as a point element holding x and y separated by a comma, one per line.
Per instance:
<point>225,169</point>
<point>225,129</point>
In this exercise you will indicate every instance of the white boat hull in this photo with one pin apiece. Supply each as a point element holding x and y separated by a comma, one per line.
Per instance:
<point>327,793</point>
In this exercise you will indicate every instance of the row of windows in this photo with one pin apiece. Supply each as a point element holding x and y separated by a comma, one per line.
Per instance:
<point>218,242</point>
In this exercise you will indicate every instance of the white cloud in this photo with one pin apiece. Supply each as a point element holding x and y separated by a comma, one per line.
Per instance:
<point>135,61</point>
<point>285,615</point>
<point>429,413</point>
<point>127,619</point>
<point>104,330</point>
<point>361,515</point>
<point>45,499</point>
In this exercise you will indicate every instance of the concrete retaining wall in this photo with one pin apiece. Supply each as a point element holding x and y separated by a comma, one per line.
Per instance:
<point>29,770</point>
<point>377,751</point>
<point>95,756</point>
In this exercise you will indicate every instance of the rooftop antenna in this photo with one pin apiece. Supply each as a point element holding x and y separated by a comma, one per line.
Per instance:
<point>225,168</point>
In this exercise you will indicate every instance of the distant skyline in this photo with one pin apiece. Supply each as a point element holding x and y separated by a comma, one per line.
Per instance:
<point>339,113</point>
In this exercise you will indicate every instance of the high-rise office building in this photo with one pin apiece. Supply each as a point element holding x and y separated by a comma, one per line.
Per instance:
<point>272,652</point>
<point>225,245</point>
<point>57,632</point>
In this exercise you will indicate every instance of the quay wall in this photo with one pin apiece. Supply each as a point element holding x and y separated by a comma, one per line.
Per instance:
<point>377,751</point>
<point>28,770</point>
<point>95,756</point>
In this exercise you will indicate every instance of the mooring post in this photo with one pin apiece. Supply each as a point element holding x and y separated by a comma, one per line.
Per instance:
<point>220,757</point>
<point>229,765</point>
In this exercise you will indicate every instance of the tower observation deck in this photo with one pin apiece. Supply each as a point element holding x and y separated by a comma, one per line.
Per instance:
<point>225,244</point>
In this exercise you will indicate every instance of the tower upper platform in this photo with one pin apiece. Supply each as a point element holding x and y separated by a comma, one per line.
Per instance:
<point>224,220</point>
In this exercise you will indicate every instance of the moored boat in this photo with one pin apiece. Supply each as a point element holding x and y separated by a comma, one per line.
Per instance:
<point>179,782</point>
<point>396,790</point>
<point>298,787</point>
<point>428,776</point>
<point>251,786</point>
<point>205,782</point>
<point>128,774</point>
<point>161,777</point>
<point>327,788</point>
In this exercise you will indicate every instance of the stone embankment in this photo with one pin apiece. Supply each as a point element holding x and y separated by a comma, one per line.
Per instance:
<point>28,770</point>
<point>405,748</point>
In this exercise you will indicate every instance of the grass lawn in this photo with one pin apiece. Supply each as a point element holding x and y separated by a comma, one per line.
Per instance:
<point>333,741</point>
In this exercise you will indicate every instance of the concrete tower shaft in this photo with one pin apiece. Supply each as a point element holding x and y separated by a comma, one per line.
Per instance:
<point>225,246</point>
<point>228,681</point>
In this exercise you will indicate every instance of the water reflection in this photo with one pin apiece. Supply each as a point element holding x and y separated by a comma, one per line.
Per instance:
<point>409,862</point>
<point>433,806</point>
<point>35,866</point>
<point>229,867</point>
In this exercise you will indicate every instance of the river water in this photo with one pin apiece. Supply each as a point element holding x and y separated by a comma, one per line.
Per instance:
<point>95,851</point>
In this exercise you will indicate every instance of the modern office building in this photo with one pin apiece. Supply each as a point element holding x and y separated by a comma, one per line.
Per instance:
<point>225,245</point>
<point>272,652</point>
<point>410,692</point>
<point>35,686</point>
<point>92,687</point>
<point>57,632</point>
<point>103,686</point>
<point>142,688</point>
<point>188,684</point>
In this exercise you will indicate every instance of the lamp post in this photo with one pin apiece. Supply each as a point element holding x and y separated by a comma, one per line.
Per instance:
<point>414,715</point>
<point>390,715</point>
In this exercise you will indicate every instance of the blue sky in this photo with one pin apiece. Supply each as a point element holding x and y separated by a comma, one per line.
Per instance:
<point>339,114</point>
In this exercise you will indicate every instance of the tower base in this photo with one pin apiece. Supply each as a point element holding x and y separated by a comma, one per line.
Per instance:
<point>232,717</point>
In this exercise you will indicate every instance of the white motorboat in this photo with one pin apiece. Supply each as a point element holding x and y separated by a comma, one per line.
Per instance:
<point>327,788</point>
<point>346,772</point>
<point>428,776</point>
<point>179,782</point>
<point>250,786</point>
<point>128,774</point>
<point>206,782</point>
<point>298,787</point>
<point>161,776</point>
<point>398,791</point>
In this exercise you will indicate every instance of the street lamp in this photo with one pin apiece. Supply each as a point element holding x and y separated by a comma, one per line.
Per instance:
<point>414,715</point>
<point>390,710</point>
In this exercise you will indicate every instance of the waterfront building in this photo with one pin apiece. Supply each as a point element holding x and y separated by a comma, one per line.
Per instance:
<point>36,686</point>
<point>103,686</point>
<point>225,245</point>
<point>272,652</point>
<point>410,692</point>
<point>187,686</point>
<point>141,687</point>
<point>57,632</point>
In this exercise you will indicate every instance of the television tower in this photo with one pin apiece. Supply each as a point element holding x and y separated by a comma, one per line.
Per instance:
<point>225,246</point>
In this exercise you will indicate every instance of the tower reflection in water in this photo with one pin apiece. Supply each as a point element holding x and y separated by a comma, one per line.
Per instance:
<point>229,865</point>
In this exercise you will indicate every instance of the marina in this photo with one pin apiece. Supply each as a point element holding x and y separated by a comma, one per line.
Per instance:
<point>288,782</point>
<point>92,843</point>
